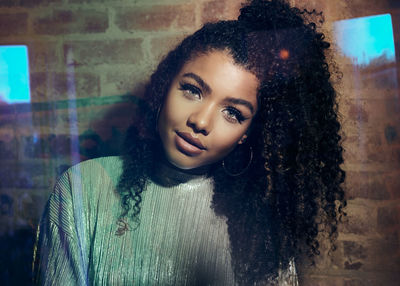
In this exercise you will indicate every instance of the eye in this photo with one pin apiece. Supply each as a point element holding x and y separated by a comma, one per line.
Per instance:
<point>190,91</point>
<point>233,115</point>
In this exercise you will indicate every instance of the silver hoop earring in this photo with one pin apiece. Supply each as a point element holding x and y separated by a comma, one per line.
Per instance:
<point>241,172</point>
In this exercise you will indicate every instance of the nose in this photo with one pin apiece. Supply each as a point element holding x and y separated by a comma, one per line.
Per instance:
<point>201,119</point>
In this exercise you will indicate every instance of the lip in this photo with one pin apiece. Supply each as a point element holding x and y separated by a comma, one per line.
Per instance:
<point>189,145</point>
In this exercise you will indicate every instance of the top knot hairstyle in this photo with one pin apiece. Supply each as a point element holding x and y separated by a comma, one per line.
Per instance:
<point>295,175</point>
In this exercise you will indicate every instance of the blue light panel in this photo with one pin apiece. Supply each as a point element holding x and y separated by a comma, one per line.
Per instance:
<point>14,74</point>
<point>365,39</point>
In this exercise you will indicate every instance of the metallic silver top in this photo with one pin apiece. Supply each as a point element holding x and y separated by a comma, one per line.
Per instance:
<point>180,240</point>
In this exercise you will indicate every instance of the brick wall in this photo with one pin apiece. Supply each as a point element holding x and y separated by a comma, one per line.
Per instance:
<point>89,61</point>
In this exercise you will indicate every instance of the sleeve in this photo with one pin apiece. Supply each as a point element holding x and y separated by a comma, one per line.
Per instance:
<point>288,277</point>
<point>59,256</point>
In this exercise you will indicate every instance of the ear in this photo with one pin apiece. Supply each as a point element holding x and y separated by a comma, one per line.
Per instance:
<point>244,137</point>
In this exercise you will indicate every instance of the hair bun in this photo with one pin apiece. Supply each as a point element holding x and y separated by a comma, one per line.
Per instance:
<point>269,14</point>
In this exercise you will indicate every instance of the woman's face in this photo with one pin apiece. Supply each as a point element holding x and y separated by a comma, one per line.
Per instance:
<point>208,110</point>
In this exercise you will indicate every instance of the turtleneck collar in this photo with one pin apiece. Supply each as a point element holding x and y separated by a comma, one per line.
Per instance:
<point>168,175</point>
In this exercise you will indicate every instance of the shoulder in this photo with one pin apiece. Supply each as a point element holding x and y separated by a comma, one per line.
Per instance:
<point>112,163</point>
<point>288,277</point>
<point>82,190</point>
<point>83,184</point>
<point>97,169</point>
<point>89,177</point>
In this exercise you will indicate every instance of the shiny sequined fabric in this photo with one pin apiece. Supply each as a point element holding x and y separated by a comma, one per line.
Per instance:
<point>180,240</point>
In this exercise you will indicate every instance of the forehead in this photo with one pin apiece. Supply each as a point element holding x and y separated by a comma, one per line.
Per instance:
<point>222,74</point>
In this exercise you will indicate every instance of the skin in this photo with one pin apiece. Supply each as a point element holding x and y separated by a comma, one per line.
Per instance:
<point>208,110</point>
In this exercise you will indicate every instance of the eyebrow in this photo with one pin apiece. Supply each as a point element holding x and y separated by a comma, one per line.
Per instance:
<point>208,89</point>
<point>200,81</point>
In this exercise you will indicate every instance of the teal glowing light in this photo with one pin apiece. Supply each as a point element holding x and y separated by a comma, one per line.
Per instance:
<point>367,39</point>
<point>14,74</point>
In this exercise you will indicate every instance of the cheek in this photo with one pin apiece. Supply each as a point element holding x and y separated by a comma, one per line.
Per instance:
<point>227,138</point>
<point>175,111</point>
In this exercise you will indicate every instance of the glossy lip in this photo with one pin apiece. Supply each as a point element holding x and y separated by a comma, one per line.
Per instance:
<point>188,145</point>
<point>190,139</point>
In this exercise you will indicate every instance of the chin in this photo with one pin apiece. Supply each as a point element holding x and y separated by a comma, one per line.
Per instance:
<point>184,162</point>
<point>183,165</point>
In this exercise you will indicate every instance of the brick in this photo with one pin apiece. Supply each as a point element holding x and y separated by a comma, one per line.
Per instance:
<point>52,86</point>
<point>28,204</point>
<point>213,11</point>
<point>7,130</point>
<point>13,24</point>
<point>129,2</point>
<point>161,46</point>
<point>7,205</point>
<point>89,53</point>
<point>29,207</point>
<point>107,121</point>
<point>338,10</point>
<point>49,145</point>
<point>382,253</point>
<point>69,119</point>
<point>381,108</point>
<point>376,77</point>
<point>369,115</point>
<point>35,147</point>
<point>384,108</point>
<point>389,217</point>
<point>27,3</point>
<point>354,250</point>
<point>354,255</point>
<point>43,56</point>
<point>71,22</point>
<point>368,149</point>
<point>360,220</point>
<point>393,108</point>
<point>156,17</point>
<point>114,119</point>
<point>368,185</point>
<point>357,112</point>
<point>320,280</point>
<point>47,120</point>
<point>123,81</point>
<point>393,184</point>
<point>79,119</point>
<point>375,281</point>
<point>99,131</point>
<point>72,119</point>
<point>355,282</point>
<point>7,115</point>
<point>369,82</point>
<point>94,143</point>
<point>8,146</point>
<point>357,8</point>
<point>391,134</point>
<point>22,175</point>
<point>369,112</point>
<point>62,145</point>
<point>23,121</point>
<point>313,4</point>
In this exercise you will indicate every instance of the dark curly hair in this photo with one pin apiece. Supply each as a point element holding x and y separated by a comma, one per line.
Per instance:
<point>276,208</point>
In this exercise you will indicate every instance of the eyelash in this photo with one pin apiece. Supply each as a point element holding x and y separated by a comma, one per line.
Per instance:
<point>237,115</point>
<point>232,114</point>
<point>190,90</point>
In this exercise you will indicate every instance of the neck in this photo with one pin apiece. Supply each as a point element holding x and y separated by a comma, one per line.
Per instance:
<point>166,174</point>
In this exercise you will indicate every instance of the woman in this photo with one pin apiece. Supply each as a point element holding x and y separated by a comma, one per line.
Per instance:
<point>223,180</point>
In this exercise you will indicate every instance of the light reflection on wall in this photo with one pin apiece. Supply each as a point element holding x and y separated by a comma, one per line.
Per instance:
<point>14,74</point>
<point>367,39</point>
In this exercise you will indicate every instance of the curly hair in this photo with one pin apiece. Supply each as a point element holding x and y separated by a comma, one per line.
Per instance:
<point>295,176</point>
